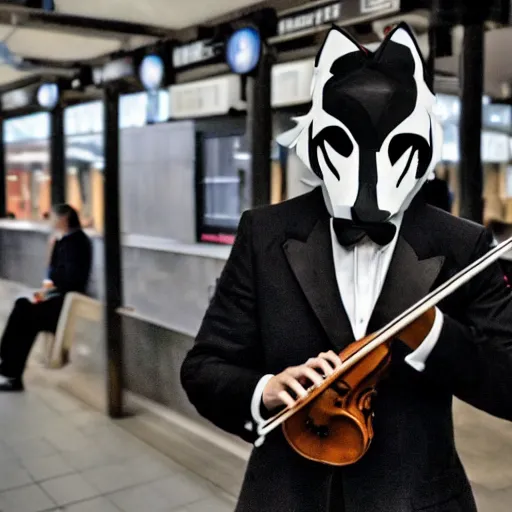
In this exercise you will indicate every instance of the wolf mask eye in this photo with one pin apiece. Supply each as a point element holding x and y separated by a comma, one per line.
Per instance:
<point>339,140</point>
<point>418,145</point>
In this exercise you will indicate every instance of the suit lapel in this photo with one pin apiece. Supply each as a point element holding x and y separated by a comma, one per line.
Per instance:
<point>313,265</point>
<point>412,272</point>
<point>408,280</point>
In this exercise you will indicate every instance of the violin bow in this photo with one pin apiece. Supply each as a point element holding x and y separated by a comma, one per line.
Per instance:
<point>388,332</point>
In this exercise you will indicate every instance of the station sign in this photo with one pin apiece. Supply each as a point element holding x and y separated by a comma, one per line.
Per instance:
<point>18,99</point>
<point>21,98</point>
<point>298,23</point>
<point>204,51</point>
<point>378,6</point>
<point>309,18</point>
<point>355,10</point>
<point>114,71</point>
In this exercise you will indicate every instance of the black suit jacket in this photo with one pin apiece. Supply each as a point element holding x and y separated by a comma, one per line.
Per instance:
<point>277,304</point>
<point>70,263</point>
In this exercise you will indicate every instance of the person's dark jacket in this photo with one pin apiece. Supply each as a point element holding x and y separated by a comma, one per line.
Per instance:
<point>277,304</point>
<point>70,262</point>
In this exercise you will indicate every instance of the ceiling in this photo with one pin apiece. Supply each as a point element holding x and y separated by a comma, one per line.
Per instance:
<point>35,43</point>
<point>172,14</point>
<point>86,30</point>
<point>83,31</point>
<point>8,74</point>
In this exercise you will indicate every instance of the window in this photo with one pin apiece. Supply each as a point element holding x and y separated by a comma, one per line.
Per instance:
<point>223,179</point>
<point>85,153</point>
<point>83,126</point>
<point>84,185</point>
<point>27,156</point>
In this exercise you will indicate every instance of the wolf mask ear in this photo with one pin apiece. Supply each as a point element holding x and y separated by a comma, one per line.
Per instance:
<point>337,44</point>
<point>390,53</point>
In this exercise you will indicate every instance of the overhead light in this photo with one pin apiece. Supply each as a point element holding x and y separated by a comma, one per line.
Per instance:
<point>48,95</point>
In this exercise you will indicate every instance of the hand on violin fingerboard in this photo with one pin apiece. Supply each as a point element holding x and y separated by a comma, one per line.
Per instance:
<point>287,386</point>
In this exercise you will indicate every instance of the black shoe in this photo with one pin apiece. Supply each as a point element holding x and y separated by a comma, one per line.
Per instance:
<point>11,385</point>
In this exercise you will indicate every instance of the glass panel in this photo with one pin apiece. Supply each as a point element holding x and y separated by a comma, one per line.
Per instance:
<point>134,109</point>
<point>84,119</point>
<point>84,164</point>
<point>27,128</point>
<point>226,181</point>
<point>497,117</point>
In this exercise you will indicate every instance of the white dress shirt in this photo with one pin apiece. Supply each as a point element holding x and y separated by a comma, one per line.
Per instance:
<point>360,274</point>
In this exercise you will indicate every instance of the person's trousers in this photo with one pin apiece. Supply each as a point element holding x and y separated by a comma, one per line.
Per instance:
<point>25,322</point>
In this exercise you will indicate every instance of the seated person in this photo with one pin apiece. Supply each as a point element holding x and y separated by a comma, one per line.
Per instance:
<point>69,268</point>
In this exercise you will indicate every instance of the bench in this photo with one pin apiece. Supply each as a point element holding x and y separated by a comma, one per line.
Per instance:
<point>54,348</point>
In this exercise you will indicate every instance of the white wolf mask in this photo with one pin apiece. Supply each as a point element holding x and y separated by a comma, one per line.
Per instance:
<point>371,135</point>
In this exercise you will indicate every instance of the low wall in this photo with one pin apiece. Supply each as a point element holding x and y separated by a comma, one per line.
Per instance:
<point>152,358</point>
<point>168,285</point>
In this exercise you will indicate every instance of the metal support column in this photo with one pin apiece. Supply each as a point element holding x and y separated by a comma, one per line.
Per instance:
<point>472,76</point>
<point>57,155</point>
<point>431,62</point>
<point>112,242</point>
<point>260,129</point>
<point>3,196</point>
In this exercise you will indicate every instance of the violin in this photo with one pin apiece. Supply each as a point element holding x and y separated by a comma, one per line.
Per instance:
<point>333,423</point>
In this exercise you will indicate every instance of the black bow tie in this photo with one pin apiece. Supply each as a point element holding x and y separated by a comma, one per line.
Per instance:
<point>350,232</point>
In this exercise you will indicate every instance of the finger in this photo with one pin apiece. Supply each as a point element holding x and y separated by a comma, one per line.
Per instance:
<point>312,375</point>
<point>285,397</point>
<point>292,383</point>
<point>332,357</point>
<point>322,364</point>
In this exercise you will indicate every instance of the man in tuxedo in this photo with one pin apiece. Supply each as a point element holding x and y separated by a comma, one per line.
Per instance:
<point>68,271</point>
<point>307,277</point>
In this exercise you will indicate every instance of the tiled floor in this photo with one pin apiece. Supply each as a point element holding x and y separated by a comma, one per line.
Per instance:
<point>57,454</point>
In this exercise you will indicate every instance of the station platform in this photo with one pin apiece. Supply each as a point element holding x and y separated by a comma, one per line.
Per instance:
<point>58,452</point>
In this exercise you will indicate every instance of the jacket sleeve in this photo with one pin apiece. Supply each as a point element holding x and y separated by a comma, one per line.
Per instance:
<point>221,371</point>
<point>71,272</point>
<point>473,356</point>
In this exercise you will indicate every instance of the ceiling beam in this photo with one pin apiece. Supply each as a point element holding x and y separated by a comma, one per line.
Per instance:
<point>37,18</point>
<point>20,84</point>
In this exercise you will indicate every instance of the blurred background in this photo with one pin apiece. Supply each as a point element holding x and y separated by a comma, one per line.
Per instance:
<point>157,120</point>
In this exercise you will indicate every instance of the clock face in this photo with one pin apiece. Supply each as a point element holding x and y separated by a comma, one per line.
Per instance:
<point>151,72</point>
<point>243,50</point>
<point>48,95</point>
